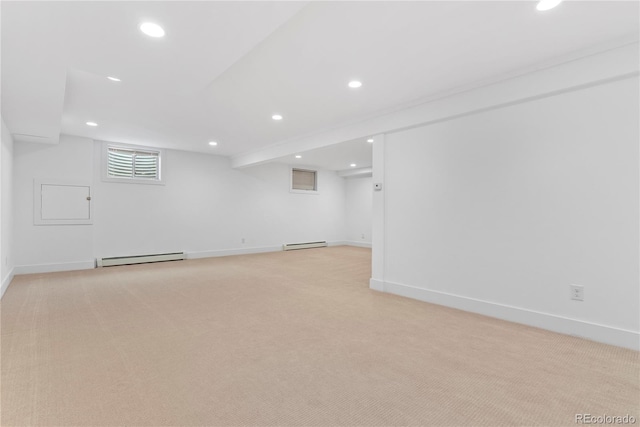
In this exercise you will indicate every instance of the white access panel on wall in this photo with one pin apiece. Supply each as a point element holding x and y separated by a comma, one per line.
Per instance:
<point>61,203</point>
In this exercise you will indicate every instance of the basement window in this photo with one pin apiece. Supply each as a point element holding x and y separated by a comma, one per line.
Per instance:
<point>132,165</point>
<point>304,181</point>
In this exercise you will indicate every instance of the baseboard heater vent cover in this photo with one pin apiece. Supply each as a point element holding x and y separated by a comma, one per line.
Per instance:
<point>140,259</point>
<point>306,245</point>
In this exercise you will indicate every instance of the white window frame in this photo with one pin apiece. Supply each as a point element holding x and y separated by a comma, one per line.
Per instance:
<point>123,180</point>
<point>302,168</point>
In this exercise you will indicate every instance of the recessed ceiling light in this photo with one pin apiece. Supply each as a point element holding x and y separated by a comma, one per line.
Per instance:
<point>92,124</point>
<point>298,156</point>
<point>370,140</point>
<point>113,79</point>
<point>547,4</point>
<point>354,84</point>
<point>353,165</point>
<point>151,29</point>
<point>213,143</point>
<point>276,117</point>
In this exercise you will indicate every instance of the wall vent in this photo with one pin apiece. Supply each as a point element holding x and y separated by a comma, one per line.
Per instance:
<point>306,245</point>
<point>140,259</point>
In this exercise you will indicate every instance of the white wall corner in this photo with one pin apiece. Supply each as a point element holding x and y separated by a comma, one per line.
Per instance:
<point>564,325</point>
<point>6,282</point>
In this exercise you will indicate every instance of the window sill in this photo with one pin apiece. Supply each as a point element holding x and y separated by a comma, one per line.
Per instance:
<point>315,192</point>
<point>133,181</point>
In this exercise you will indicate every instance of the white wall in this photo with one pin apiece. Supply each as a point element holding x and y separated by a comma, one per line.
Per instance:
<point>499,211</point>
<point>205,208</point>
<point>50,247</point>
<point>358,192</point>
<point>6,215</point>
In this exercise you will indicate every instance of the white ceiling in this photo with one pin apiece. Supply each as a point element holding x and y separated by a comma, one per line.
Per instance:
<point>338,157</point>
<point>224,68</point>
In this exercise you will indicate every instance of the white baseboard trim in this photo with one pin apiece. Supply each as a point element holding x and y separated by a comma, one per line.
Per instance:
<point>376,285</point>
<point>228,252</point>
<point>6,282</point>
<point>248,251</point>
<point>358,244</point>
<point>85,265</point>
<point>564,325</point>
<point>52,268</point>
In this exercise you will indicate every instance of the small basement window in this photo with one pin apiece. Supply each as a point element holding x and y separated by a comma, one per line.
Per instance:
<point>304,180</point>
<point>135,165</point>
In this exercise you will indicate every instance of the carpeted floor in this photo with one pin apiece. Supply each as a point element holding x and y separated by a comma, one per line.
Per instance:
<point>286,338</point>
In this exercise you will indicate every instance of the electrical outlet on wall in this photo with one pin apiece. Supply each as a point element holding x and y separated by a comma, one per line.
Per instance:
<point>577,292</point>
<point>362,236</point>
<point>242,240</point>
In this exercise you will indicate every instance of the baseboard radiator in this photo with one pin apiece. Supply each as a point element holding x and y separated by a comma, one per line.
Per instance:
<point>140,259</point>
<point>306,245</point>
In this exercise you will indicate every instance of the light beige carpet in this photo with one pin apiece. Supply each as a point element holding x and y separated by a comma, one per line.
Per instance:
<point>288,338</point>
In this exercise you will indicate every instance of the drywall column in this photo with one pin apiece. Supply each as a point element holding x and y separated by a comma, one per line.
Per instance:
<point>377,221</point>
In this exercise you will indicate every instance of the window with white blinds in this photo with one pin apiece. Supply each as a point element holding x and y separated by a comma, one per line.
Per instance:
<point>302,179</point>
<point>133,164</point>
